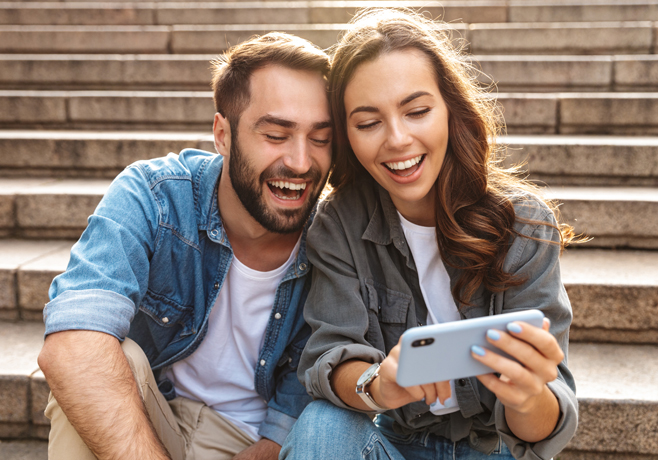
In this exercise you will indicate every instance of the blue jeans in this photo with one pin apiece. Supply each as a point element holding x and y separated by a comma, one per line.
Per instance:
<point>327,431</point>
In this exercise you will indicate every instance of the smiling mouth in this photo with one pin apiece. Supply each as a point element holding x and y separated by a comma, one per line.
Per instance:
<point>405,168</point>
<point>285,190</point>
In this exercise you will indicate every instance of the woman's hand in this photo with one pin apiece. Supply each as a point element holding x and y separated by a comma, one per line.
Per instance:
<point>389,394</point>
<point>531,409</point>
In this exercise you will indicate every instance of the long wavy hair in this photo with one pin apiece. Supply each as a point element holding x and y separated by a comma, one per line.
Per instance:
<point>474,210</point>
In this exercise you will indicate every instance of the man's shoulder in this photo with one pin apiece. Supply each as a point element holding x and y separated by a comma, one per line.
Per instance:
<point>184,165</point>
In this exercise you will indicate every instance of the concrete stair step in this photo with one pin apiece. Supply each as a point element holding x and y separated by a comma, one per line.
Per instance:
<point>527,113</point>
<point>25,449</point>
<point>556,160</point>
<point>613,293</point>
<point>271,12</point>
<point>585,160</point>
<point>58,208</point>
<point>617,415</point>
<point>169,13</point>
<point>191,72</point>
<point>87,154</point>
<point>147,13</point>
<point>633,37</point>
<point>617,217</point>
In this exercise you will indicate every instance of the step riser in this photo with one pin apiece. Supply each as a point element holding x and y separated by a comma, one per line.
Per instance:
<point>530,74</point>
<point>556,163</point>
<point>49,214</point>
<point>617,426</point>
<point>162,14</point>
<point>98,158</point>
<point>602,313</point>
<point>566,113</point>
<point>593,38</point>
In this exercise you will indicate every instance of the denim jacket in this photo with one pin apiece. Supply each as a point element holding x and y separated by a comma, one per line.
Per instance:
<point>366,293</point>
<point>150,265</point>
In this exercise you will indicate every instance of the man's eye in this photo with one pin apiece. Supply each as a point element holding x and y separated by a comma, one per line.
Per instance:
<point>367,126</point>
<point>322,141</point>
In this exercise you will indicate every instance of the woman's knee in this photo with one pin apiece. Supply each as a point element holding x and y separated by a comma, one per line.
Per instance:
<point>324,427</point>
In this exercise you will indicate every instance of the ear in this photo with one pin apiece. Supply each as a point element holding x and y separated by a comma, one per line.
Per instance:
<point>221,129</point>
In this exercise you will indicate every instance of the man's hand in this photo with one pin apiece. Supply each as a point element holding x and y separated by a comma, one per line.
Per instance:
<point>263,449</point>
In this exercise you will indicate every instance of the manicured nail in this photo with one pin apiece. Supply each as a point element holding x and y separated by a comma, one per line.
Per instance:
<point>447,401</point>
<point>493,335</point>
<point>477,350</point>
<point>514,327</point>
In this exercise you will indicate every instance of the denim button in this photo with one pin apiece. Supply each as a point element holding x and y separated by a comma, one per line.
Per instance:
<point>461,382</point>
<point>216,285</point>
<point>302,267</point>
<point>165,320</point>
<point>214,232</point>
<point>277,316</point>
<point>262,362</point>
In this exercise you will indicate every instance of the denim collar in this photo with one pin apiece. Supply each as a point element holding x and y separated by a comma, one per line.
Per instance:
<point>206,183</point>
<point>385,228</point>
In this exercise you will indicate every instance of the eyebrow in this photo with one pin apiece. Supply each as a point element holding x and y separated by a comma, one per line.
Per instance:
<point>406,100</point>
<point>272,120</point>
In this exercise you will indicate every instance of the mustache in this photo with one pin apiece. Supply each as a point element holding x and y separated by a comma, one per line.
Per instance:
<point>281,172</point>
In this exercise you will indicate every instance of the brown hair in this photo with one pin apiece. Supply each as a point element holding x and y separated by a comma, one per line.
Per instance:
<point>474,212</point>
<point>232,70</point>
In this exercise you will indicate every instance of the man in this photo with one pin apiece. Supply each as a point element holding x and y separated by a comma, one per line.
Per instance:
<point>200,260</point>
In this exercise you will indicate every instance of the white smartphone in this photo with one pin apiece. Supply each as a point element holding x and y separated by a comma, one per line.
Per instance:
<point>439,352</point>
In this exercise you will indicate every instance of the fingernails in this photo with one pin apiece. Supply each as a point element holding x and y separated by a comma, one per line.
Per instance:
<point>477,350</point>
<point>447,401</point>
<point>514,327</point>
<point>493,335</point>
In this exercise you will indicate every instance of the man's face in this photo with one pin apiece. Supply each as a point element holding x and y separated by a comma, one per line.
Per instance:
<point>281,148</point>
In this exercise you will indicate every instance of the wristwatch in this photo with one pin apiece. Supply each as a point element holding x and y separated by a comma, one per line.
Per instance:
<point>362,387</point>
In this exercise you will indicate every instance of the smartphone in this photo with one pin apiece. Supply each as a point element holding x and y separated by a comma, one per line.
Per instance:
<point>439,352</point>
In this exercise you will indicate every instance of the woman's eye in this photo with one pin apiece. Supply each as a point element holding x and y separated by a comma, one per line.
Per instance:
<point>419,113</point>
<point>275,138</point>
<point>367,125</point>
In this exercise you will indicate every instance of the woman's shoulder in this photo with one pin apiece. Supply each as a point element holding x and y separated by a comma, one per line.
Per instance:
<point>531,206</point>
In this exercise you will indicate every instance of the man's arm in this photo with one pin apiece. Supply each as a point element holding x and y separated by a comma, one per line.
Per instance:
<point>264,449</point>
<point>91,380</point>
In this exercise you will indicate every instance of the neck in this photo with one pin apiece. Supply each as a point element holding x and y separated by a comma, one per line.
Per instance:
<point>253,245</point>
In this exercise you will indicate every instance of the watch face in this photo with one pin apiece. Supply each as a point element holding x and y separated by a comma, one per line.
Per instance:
<point>367,375</point>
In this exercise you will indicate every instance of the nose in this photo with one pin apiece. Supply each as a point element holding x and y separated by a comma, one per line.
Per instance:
<point>398,135</point>
<point>298,159</point>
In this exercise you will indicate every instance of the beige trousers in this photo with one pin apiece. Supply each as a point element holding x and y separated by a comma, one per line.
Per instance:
<point>190,430</point>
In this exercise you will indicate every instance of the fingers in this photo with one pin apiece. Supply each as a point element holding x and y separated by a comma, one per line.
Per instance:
<point>540,339</point>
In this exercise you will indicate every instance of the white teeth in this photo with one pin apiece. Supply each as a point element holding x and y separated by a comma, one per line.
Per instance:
<point>404,164</point>
<point>288,185</point>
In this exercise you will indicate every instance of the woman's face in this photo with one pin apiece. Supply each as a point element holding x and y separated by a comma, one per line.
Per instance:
<point>397,125</point>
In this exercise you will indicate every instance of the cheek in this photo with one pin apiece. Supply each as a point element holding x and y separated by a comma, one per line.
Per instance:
<point>362,148</point>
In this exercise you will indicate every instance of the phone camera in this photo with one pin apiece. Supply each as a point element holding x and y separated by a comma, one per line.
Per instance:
<point>422,342</point>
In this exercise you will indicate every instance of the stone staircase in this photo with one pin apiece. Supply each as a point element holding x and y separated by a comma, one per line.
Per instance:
<point>87,88</point>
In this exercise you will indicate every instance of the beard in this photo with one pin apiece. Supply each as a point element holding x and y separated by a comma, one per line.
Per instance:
<point>248,186</point>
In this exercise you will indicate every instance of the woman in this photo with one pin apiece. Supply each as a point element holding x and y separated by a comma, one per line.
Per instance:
<point>424,227</point>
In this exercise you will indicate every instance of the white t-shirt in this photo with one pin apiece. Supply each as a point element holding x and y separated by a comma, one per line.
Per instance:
<point>435,285</point>
<point>220,373</point>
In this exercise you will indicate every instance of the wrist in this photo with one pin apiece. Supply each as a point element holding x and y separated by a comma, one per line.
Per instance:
<point>376,393</point>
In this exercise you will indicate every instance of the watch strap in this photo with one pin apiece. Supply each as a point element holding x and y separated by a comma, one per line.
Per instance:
<point>366,397</point>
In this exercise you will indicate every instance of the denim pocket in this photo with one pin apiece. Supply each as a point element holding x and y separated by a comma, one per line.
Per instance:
<point>169,321</point>
<point>387,315</point>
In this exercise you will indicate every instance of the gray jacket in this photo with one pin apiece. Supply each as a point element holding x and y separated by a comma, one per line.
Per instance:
<point>365,294</point>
